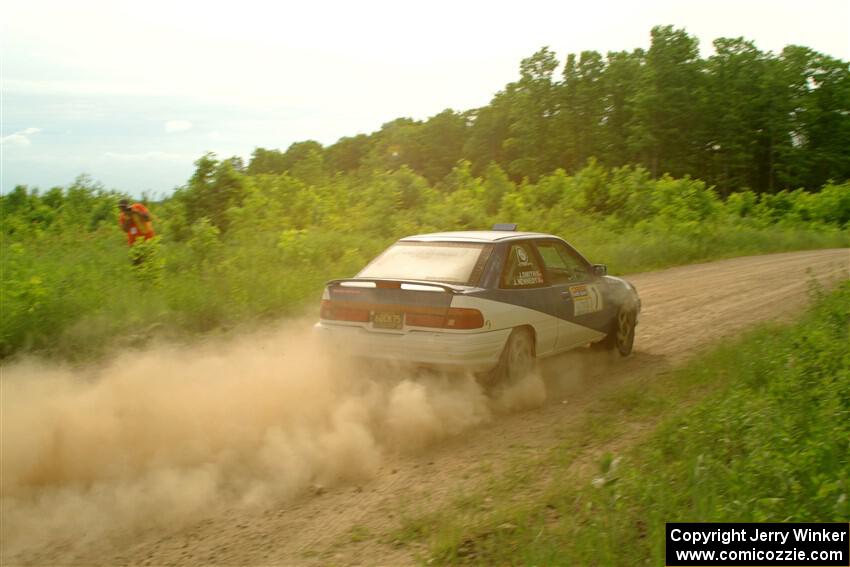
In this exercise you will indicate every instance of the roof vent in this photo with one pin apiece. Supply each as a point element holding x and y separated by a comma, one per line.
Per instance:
<point>505,226</point>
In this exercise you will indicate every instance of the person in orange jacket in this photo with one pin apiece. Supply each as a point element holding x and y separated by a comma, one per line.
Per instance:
<point>135,220</point>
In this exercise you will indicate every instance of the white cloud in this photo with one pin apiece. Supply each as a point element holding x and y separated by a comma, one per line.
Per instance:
<point>177,126</point>
<point>216,136</point>
<point>20,139</point>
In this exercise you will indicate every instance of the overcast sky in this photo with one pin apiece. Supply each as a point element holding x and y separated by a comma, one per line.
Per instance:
<point>133,92</point>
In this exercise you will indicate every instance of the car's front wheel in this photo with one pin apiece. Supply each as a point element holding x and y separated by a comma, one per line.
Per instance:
<point>621,336</point>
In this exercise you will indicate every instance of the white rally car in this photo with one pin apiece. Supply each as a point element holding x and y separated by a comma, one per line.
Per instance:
<point>490,302</point>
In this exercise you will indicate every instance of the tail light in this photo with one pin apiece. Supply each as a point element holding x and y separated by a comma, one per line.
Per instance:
<point>335,312</point>
<point>455,318</point>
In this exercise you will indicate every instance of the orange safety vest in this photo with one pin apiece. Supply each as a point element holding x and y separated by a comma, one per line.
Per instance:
<point>137,223</point>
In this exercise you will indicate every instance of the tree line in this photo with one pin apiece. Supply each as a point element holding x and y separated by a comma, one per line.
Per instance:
<point>740,119</point>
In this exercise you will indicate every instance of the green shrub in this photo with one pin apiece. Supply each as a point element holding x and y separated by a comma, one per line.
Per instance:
<point>273,239</point>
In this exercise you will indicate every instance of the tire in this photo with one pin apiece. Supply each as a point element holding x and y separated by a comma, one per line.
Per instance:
<point>622,334</point>
<point>516,362</point>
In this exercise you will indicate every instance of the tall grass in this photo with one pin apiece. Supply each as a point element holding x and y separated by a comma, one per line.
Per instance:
<point>771,443</point>
<point>69,288</point>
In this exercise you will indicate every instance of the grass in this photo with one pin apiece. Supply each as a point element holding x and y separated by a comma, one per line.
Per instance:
<point>755,430</point>
<point>77,300</point>
<point>69,291</point>
<point>359,533</point>
<point>641,250</point>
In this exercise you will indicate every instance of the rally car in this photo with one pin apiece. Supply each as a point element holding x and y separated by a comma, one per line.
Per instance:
<point>489,302</point>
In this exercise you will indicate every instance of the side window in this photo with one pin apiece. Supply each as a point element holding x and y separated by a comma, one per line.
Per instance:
<point>561,264</point>
<point>521,268</point>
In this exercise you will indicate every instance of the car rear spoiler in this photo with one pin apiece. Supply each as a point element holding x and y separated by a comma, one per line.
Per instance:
<point>387,283</point>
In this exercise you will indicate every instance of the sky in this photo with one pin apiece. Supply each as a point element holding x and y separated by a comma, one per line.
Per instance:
<point>132,93</point>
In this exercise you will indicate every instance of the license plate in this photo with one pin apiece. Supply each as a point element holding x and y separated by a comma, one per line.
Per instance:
<point>386,320</point>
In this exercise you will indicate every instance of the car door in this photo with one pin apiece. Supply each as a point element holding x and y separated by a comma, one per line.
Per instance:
<point>520,294</point>
<point>575,294</point>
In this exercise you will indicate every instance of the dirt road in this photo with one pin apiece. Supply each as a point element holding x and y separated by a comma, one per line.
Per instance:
<point>83,498</point>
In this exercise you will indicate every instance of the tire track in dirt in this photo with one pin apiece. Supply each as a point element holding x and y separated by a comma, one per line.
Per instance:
<point>685,309</point>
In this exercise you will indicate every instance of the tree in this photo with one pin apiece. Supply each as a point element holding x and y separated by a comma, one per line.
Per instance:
<point>300,151</point>
<point>737,96</point>
<point>582,109</point>
<point>266,161</point>
<point>818,111</point>
<point>347,153</point>
<point>396,144</point>
<point>620,84</point>
<point>213,189</point>
<point>664,131</point>
<point>441,140</point>
<point>532,103</point>
<point>489,128</point>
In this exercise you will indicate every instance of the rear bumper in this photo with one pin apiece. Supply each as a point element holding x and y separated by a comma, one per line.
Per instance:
<point>455,351</point>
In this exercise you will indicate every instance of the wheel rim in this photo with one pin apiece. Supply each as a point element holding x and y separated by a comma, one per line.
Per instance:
<point>625,329</point>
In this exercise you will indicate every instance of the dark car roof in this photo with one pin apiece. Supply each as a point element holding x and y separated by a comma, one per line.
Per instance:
<point>475,236</point>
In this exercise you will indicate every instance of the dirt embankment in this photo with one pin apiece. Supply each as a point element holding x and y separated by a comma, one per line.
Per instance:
<point>263,451</point>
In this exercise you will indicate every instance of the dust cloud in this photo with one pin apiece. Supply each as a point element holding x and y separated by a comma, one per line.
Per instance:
<point>170,435</point>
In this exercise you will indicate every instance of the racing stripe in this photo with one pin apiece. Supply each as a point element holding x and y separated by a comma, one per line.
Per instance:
<point>552,333</point>
<point>557,301</point>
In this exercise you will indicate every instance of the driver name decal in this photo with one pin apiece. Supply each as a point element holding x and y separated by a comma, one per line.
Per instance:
<point>529,277</point>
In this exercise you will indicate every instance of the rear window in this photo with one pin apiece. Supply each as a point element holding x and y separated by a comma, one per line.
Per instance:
<point>449,262</point>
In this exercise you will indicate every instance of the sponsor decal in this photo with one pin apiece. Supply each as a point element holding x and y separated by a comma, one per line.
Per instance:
<point>523,257</point>
<point>586,299</point>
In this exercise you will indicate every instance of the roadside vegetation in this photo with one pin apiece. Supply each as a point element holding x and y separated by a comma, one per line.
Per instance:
<point>641,159</point>
<point>755,430</point>
<point>70,290</point>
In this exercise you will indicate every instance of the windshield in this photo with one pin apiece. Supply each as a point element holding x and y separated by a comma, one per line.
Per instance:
<point>449,262</point>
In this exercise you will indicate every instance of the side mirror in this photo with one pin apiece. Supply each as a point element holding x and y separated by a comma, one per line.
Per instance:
<point>600,269</point>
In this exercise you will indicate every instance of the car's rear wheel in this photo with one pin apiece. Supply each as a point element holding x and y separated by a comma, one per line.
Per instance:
<point>516,362</point>
<point>621,336</point>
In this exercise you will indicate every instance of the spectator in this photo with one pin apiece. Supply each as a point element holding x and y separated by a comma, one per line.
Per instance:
<point>135,220</point>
